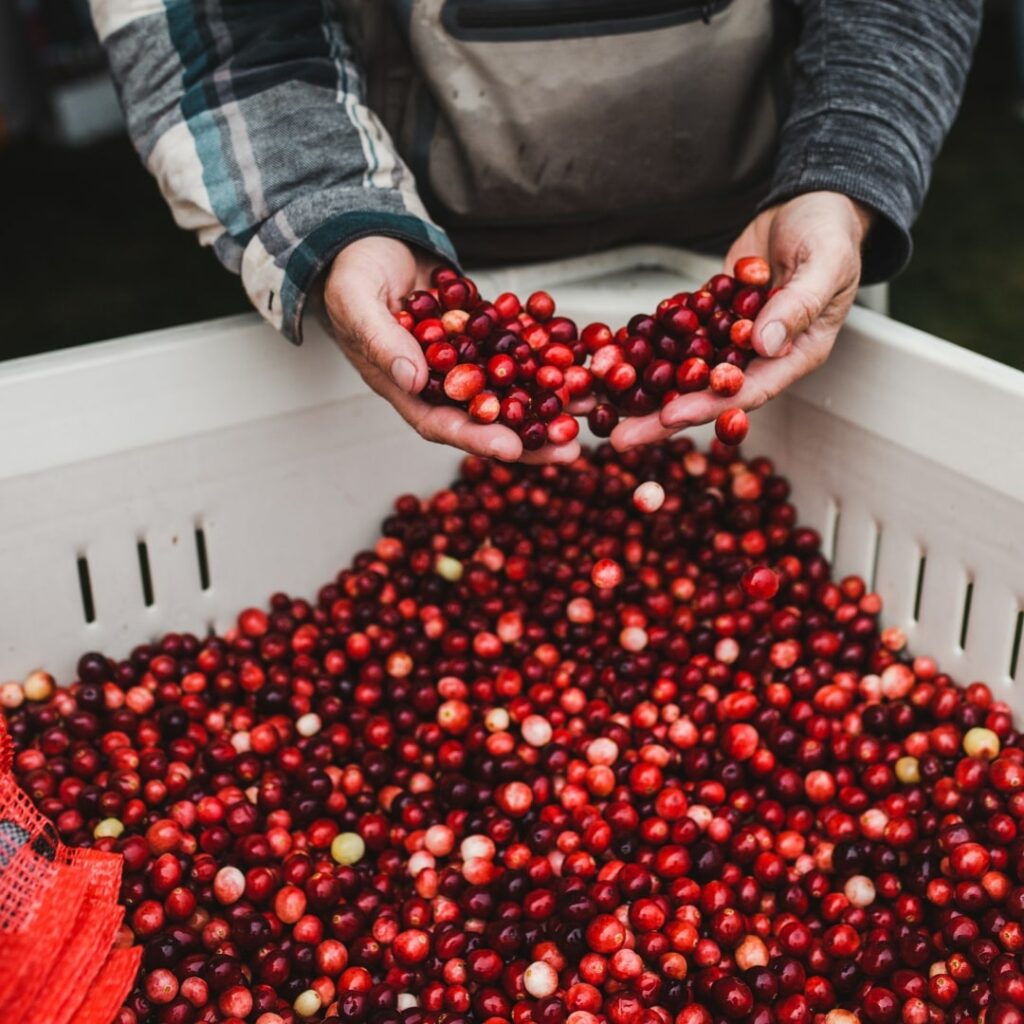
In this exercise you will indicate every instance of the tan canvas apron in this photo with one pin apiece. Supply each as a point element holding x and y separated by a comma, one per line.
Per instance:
<point>537,128</point>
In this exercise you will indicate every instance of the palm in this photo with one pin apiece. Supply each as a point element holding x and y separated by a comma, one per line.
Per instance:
<point>366,285</point>
<point>813,245</point>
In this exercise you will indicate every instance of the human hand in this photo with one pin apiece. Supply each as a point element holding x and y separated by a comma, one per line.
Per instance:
<point>813,243</point>
<point>365,285</point>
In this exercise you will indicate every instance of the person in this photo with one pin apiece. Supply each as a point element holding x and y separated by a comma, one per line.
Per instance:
<point>306,144</point>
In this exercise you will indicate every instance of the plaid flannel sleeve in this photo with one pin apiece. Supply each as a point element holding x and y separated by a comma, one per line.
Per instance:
<point>250,114</point>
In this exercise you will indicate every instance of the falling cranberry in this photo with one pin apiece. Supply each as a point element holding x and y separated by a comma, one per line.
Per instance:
<point>732,426</point>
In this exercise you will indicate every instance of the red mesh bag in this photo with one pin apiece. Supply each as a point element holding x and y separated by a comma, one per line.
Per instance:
<point>111,987</point>
<point>59,917</point>
<point>24,967</point>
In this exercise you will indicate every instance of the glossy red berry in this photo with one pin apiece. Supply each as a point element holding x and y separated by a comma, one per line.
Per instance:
<point>731,426</point>
<point>753,270</point>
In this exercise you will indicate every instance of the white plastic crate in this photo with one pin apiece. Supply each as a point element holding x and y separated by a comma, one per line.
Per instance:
<point>167,480</point>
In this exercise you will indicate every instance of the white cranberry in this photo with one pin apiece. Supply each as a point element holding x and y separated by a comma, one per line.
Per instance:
<point>307,1003</point>
<point>38,686</point>
<point>448,568</point>
<point>477,847</point>
<point>981,742</point>
<point>308,724</point>
<point>496,720</point>
<point>540,979</point>
<point>228,885</point>
<point>348,848</point>
<point>536,730</point>
<point>649,496</point>
<point>633,639</point>
<point>751,952</point>
<point>602,751</point>
<point>11,695</point>
<point>860,890</point>
<point>841,1017</point>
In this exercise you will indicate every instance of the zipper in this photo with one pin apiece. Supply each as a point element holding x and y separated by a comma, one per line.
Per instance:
<point>477,15</point>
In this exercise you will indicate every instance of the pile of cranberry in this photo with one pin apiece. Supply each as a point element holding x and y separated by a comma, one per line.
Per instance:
<point>527,369</point>
<point>602,743</point>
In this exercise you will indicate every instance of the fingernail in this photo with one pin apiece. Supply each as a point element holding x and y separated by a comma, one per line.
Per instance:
<point>403,373</point>
<point>773,337</point>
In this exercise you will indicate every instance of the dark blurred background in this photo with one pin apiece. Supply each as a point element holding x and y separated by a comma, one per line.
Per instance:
<point>90,252</point>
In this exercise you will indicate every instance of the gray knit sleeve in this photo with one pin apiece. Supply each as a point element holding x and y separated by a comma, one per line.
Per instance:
<point>877,85</point>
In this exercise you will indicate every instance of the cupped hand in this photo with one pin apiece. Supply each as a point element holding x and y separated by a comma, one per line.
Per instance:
<point>364,288</point>
<point>813,243</point>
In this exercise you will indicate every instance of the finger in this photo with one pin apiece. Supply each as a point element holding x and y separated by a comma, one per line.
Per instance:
<point>370,328</point>
<point>581,406</point>
<point>639,430</point>
<point>798,304</point>
<point>561,454</point>
<point>446,424</point>
<point>443,424</point>
<point>764,379</point>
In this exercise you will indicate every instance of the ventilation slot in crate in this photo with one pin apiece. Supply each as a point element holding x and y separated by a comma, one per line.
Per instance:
<point>876,554</point>
<point>965,617</point>
<point>202,558</point>
<point>1015,651</point>
<point>922,564</point>
<point>85,588</point>
<point>830,532</point>
<point>145,575</point>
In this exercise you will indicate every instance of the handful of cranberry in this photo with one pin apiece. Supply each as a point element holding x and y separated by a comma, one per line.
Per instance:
<point>522,366</point>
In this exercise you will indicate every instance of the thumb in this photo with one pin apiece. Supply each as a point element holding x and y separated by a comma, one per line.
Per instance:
<point>796,306</point>
<point>369,326</point>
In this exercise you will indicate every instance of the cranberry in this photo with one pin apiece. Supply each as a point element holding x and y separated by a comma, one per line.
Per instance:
<point>753,270</point>
<point>602,419</point>
<point>761,583</point>
<point>606,574</point>
<point>605,934</point>
<point>603,742</point>
<point>693,374</point>
<point>725,379</point>
<point>732,998</point>
<point>732,426</point>
<point>649,496</point>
